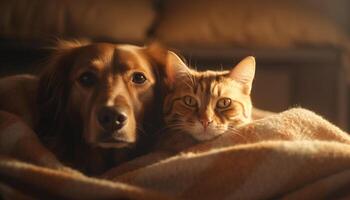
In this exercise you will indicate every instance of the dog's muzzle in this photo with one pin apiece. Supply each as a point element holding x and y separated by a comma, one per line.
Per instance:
<point>112,120</point>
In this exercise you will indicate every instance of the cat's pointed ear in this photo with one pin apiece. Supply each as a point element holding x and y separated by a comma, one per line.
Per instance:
<point>176,68</point>
<point>244,73</point>
<point>169,65</point>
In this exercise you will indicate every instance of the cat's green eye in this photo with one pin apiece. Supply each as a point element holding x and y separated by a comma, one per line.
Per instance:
<point>190,101</point>
<point>223,103</point>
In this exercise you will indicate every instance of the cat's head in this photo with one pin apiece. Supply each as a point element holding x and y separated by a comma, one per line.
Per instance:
<point>207,104</point>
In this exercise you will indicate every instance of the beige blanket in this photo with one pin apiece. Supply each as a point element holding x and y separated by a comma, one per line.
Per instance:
<point>292,155</point>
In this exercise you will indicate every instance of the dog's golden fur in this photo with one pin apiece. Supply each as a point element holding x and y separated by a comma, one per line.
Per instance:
<point>80,81</point>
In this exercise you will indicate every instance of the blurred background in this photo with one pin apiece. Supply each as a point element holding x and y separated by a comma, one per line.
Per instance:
<point>302,47</point>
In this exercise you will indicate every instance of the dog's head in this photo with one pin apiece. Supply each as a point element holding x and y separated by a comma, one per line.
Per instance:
<point>101,91</point>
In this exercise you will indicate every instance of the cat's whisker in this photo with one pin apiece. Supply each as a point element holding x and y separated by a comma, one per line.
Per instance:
<point>173,126</point>
<point>177,128</point>
<point>236,132</point>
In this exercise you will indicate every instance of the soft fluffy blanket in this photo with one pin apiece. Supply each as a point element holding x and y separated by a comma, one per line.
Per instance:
<point>293,155</point>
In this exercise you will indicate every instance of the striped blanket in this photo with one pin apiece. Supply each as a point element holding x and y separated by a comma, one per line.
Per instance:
<point>292,155</point>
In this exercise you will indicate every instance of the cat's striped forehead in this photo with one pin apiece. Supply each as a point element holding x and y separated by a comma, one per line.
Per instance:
<point>208,82</point>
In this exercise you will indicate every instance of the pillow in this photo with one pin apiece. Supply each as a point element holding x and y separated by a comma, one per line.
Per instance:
<point>245,23</point>
<point>113,19</point>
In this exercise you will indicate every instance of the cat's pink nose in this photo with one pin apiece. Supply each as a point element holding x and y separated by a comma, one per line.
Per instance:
<point>205,123</point>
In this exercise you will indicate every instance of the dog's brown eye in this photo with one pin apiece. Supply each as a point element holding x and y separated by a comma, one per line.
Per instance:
<point>223,103</point>
<point>88,79</point>
<point>138,78</point>
<point>190,101</point>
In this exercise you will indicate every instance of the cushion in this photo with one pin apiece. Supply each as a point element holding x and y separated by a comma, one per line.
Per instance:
<point>246,23</point>
<point>113,19</point>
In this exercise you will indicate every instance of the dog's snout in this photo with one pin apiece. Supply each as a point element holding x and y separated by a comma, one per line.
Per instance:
<point>112,119</point>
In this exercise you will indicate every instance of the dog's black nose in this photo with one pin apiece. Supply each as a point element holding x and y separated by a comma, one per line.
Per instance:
<point>112,119</point>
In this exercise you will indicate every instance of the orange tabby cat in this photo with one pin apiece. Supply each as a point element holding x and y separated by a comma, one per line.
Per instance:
<point>204,105</point>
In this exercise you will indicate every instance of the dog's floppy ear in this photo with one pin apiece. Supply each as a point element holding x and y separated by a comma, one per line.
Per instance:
<point>157,52</point>
<point>157,55</point>
<point>54,85</point>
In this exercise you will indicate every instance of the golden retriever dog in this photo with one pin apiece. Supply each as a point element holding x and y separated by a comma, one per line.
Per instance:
<point>92,105</point>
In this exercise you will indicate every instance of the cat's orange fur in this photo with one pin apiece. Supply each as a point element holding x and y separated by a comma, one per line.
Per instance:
<point>207,104</point>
